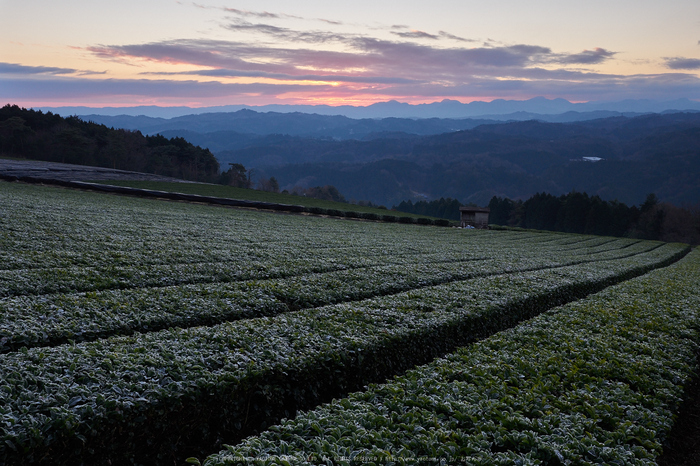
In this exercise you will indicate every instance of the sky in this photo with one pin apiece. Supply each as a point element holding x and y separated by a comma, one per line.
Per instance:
<point>221,52</point>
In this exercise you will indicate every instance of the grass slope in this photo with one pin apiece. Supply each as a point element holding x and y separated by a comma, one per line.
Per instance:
<point>231,192</point>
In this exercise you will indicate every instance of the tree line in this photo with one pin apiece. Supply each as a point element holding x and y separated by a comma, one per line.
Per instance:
<point>440,208</point>
<point>578,212</point>
<point>34,135</point>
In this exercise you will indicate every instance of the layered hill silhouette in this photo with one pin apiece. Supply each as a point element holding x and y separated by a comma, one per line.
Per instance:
<point>498,109</point>
<point>619,158</point>
<point>602,151</point>
<point>622,158</point>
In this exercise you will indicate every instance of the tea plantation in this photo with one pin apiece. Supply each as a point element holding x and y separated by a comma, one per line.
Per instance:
<point>138,331</point>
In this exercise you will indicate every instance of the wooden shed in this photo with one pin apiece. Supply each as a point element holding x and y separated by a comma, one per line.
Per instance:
<point>476,217</point>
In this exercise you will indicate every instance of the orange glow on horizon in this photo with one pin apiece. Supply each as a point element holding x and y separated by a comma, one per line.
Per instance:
<point>256,100</point>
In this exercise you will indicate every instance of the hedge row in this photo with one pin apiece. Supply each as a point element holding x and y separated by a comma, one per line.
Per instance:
<point>49,320</point>
<point>252,262</point>
<point>598,381</point>
<point>160,395</point>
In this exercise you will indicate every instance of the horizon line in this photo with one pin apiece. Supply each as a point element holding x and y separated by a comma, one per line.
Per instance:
<point>360,106</point>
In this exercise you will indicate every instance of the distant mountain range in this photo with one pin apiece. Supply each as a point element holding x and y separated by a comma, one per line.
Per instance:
<point>213,125</point>
<point>617,158</point>
<point>623,151</point>
<point>498,109</point>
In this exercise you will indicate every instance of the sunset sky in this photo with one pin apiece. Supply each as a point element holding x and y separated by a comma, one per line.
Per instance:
<point>209,52</point>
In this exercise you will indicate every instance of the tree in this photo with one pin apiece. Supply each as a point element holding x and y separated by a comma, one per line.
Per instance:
<point>599,217</point>
<point>649,203</point>
<point>651,217</point>
<point>501,209</point>
<point>72,146</point>
<point>541,211</point>
<point>571,217</point>
<point>14,133</point>
<point>680,224</point>
<point>269,184</point>
<point>236,176</point>
<point>327,192</point>
<point>441,208</point>
<point>274,185</point>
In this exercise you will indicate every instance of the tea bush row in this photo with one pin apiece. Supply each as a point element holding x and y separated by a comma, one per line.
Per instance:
<point>48,320</point>
<point>154,395</point>
<point>598,381</point>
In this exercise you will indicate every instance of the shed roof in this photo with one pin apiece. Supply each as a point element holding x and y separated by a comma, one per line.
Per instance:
<point>474,209</point>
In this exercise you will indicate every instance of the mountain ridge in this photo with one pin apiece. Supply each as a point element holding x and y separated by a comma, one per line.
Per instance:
<point>444,109</point>
<point>393,159</point>
<point>649,153</point>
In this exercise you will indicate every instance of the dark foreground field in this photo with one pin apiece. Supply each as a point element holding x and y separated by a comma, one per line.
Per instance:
<point>137,331</point>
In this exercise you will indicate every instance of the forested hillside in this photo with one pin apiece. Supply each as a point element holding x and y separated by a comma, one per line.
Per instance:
<point>627,159</point>
<point>35,135</point>
<point>387,161</point>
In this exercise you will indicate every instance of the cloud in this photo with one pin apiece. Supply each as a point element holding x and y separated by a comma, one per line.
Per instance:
<point>354,59</point>
<point>366,57</point>
<point>67,88</point>
<point>286,34</point>
<point>587,57</point>
<point>586,88</point>
<point>387,51</point>
<point>204,53</point>
<point>314,65</point>
<point>268,29</point>
<point>226,73</point>
<point>447,35</point>
<point>91,73</point>
<point>680,63</point>
<point>409,58</point>
<point>330,21</point>
<point>257,14</point>
<point>264,14</point>
<point>575,86</point>
<point>399,30</point>
<point>413,34</point>
<point>247,13</point>
<point>12,68</point>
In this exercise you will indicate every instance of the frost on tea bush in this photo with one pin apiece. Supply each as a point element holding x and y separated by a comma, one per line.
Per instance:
<point>136,330</point>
